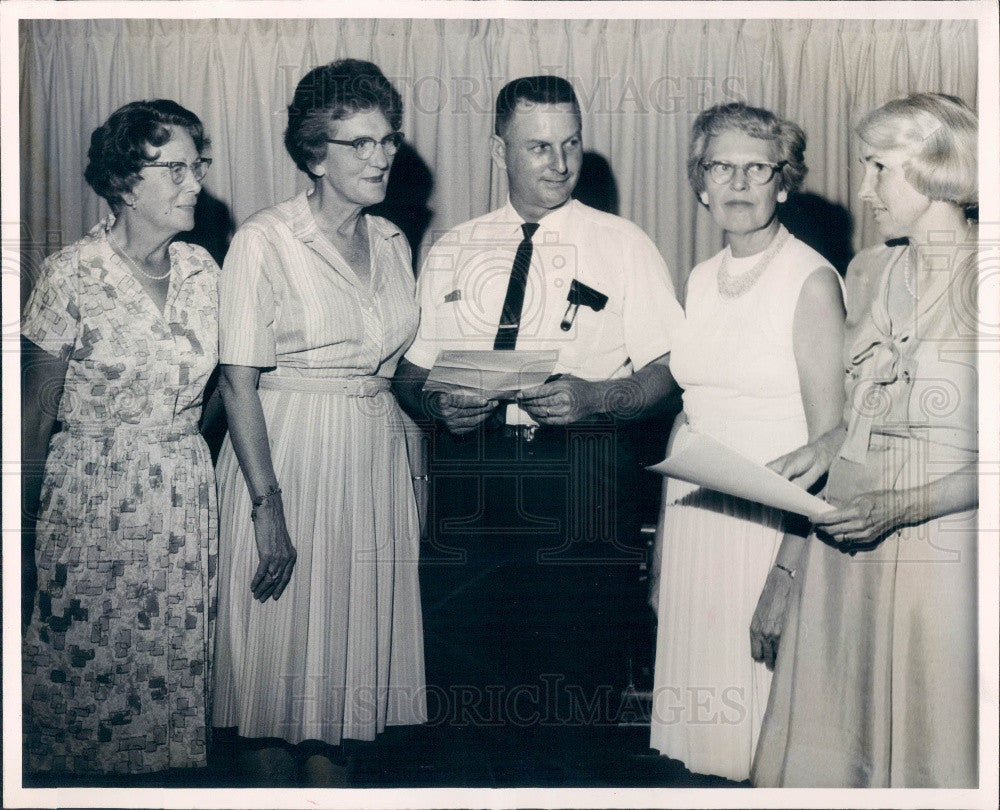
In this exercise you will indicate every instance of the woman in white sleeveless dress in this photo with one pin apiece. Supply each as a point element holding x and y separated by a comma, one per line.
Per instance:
<point>759,362</point>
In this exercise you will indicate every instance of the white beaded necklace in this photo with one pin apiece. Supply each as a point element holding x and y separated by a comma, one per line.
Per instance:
<point>731,286</point>
<point>121,252</point>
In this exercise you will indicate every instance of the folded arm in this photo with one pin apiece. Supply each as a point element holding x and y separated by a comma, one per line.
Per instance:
<point>867,518</point>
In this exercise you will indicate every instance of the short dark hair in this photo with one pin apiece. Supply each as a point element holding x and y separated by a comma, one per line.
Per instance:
<point>756,122</point>
<point>532,90</point>
<point>331,93</point>
<point>130,136</point>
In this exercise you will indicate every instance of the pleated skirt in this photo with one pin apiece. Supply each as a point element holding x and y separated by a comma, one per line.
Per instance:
<point>340,654</point>
<point>709,695</point>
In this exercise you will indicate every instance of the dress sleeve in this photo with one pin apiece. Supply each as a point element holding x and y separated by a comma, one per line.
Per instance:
<point>651,312</point>
<point>246,302</point>
<point>424,349</point>
<point>51,317</point>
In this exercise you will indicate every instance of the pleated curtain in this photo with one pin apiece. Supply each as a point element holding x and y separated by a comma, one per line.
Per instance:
<point>640,82</point>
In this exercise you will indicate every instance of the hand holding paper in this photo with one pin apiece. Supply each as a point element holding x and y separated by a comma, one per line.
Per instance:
<point>709,463</point>
<point>463,412</point>
<point>490,374</point>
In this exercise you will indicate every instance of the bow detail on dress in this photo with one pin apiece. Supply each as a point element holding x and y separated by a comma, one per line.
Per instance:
<point>885,355</point>
<point>881,360</point>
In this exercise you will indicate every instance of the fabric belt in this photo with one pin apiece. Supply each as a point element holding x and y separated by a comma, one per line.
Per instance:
<point>162,432</point>
<point>345,386</point>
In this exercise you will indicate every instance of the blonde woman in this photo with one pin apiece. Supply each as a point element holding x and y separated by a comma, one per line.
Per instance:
<point>875,684</point>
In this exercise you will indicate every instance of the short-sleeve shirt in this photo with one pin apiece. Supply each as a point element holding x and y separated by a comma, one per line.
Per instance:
<point>127,362</point>
<point>464,281</point>
<point>290,303</point>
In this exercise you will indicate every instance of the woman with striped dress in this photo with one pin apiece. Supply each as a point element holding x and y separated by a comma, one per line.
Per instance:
<point>320,634</point>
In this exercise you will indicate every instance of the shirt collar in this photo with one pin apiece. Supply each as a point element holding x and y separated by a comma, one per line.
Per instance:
<point>304,226</point>
<point>97,245</point>
<point>553,221</point>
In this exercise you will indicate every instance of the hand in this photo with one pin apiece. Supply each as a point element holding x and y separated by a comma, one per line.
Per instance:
<point>561,402</point>
<point>274,547</point>
<point>806,465</point>
<point>420,494</point>
<point>655,566</point>
<point>865,520</point>
<point>462,413</point>
<point>769,617</point>
<point>653,597</point>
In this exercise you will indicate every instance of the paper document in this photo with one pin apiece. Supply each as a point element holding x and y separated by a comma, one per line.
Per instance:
<point>490,374</point>
<point>709,463</point>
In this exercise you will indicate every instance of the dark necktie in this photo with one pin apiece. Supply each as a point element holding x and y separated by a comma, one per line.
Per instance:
<point>510,318</point>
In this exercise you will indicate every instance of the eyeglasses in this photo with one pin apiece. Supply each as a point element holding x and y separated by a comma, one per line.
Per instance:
<point>178,169</point>
<point>364,148</point>
<point>757,174</point>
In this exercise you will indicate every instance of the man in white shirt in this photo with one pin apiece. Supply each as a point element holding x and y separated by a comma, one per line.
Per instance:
<point>533,501</point>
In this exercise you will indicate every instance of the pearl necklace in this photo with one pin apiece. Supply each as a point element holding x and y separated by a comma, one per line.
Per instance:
<point>731,286</point>
<point>908,275</point>
<point>121,252</point>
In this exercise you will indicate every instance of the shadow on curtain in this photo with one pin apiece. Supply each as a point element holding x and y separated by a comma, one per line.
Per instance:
<point>405,205</point>
<point>640,84</point>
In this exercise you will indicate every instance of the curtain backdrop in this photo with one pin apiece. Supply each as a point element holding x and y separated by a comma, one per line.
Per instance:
<point>640,82</point>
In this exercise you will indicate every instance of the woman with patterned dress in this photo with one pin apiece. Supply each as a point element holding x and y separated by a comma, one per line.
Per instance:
<point>320,635</point>
<point>120,337</point>
<point>876,680</point>
<point>758,359</point>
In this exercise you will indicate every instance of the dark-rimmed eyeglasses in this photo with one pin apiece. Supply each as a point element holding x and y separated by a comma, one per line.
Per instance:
<point>364,148</point>
<point>756,173</point>
<point>178,169</point>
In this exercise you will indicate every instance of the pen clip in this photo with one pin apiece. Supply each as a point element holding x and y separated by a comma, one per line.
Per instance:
<point>568,319</point>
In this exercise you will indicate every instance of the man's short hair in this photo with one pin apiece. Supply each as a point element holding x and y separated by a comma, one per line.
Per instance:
<point>532,90</point>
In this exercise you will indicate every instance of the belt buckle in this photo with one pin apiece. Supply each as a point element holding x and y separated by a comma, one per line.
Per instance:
<point>525,433</point>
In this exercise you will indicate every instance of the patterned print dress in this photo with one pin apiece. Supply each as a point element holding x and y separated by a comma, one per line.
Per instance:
<point>117,656</point>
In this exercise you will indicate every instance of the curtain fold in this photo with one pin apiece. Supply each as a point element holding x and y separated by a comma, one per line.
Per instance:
<point>641,83</point>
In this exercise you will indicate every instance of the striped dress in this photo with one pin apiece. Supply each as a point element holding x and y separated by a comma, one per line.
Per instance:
<point>340,654</point>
